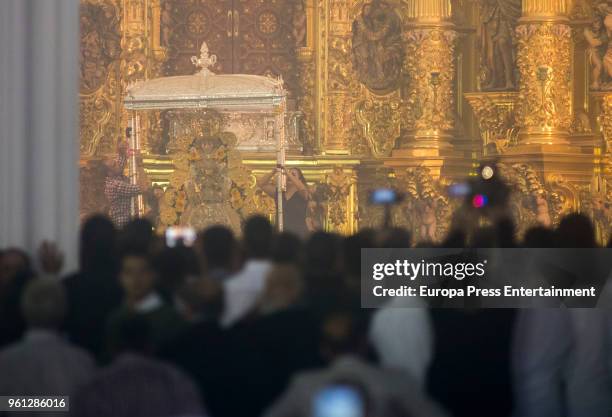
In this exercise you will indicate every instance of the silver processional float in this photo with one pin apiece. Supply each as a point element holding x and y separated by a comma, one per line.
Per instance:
<point>247,94</point>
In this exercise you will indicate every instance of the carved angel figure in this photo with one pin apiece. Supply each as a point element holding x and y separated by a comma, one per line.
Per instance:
<point>299,24</point>
<point>498,21</point>
<point>599,39</point>
<point>377,50</point>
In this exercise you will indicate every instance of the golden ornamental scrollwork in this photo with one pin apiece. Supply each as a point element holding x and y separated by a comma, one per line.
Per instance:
<point>495,116</point>
<point>100,51</point>
<point>544,63</point>
<point>134,62</point>
<point>529,203</point>
<point>426,209</point>
<point>340,87</point>
<point>336,193</point>
<point>340,75</point>
<point>605,121</point>
<point>380,120</point>
<point>535,200</point>
<point>564,196</point>
<point>340,119</point>
<point>306,100</point>
<point>430,63</point>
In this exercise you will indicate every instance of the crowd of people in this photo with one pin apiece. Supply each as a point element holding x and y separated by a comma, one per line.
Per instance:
<point>271,325</point>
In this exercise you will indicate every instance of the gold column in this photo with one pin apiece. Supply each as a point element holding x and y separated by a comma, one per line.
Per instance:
<point>429,10</point>
<point>337,90</point>
<point>544,112</point>
<point>430,61</point>
<point>142,56</point>
<point>429,101</point>
<point>306,101</point>
<point>546,8</point>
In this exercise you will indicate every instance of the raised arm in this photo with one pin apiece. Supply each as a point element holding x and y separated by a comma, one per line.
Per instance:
<point>265,185</point>
<point>301,187</point>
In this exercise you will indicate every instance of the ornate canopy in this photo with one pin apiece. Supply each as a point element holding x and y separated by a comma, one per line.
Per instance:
<point>205,89</point>
<point>209,119</point>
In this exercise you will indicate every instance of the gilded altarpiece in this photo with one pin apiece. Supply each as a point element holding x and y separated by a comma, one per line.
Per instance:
<point>100,94</point>
<point>386,93</point>
<point>118,46</point>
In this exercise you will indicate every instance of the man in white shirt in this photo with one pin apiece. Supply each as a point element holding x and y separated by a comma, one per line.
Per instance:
<point>242,291</point>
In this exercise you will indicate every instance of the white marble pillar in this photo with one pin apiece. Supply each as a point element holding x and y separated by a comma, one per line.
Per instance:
<point>39,189</point>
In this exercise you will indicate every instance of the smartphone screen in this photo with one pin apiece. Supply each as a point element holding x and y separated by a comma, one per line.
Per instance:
<point>338,401</point>
<point>176,234</point>
<point>383,196</point>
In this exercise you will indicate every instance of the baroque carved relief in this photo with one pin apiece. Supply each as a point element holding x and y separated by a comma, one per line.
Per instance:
<point>377,47</point>
<point>426,209</point>
<point>100,90</point>
<point>498,44</point>
<point>340,120</point>
<point>340,74</point>
<point>535,201</point>
<point>605,121</point>
<point>598,36</point>
<point>544,64</point>
<point>380,120</point>
<point>495,116</point>
<point>336,192</point>
<point>306,100</point>
<point>430,63</point>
